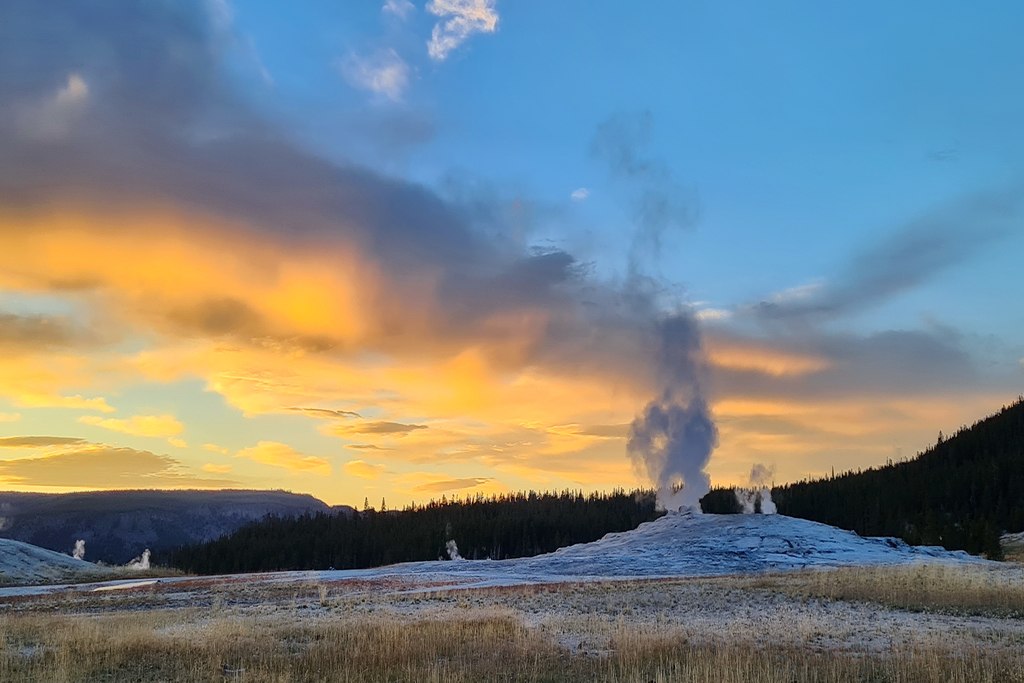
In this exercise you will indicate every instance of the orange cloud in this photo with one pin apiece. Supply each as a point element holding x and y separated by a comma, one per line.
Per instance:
<point>273,325</point>
<point>363,469</point>
<point>138,425</point>
<point>736,355</point>
<point>284,456</point>
<point>90,466</point>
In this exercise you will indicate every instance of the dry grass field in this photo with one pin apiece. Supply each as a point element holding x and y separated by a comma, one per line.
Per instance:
<point>923,623</point>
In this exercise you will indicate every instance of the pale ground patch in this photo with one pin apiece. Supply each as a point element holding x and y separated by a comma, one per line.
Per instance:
<point>781,609</point>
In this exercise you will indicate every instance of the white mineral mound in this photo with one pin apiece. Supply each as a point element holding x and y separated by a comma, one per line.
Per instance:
<point>684,544</point>
<point>688,544</point>
<point>25,563</point>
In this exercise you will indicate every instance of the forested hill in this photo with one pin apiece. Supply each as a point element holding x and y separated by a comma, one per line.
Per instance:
<point>516,525</point>
<point>961,493</point>
<point>118,525</point>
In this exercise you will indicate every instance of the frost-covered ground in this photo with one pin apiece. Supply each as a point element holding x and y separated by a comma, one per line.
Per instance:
<point>697,579</point>
<point>677,545</point>
<point>25,563</point>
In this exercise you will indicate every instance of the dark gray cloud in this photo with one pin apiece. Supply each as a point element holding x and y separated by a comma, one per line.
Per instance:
<point>218,316</point>
<point>891,362</point>
<point>380,427</point>
<point>326,413</point>
<point>40,333</point>
<point>918,252</point>
<point>38,441</point>
<point>160,123</point>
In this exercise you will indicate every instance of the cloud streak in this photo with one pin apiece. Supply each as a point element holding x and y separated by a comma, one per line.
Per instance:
<point>378,427</point>
<point>384,72</point>
<point>916,253</point>
<point>38,441</point>
<point>445,485</point>
<point>459,20</point>
<point>138,425</point>
<point>104,467</point>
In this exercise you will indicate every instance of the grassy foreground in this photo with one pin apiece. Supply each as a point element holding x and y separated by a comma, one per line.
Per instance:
<point>979,590</point>
<point>892,624</point>
<point>156,647</point>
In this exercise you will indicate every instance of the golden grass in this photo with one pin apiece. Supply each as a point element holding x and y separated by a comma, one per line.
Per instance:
<point>969,589</point>
<point>1013,547</point>
<point>159,646</point>
<point>838,625</point>
<point>194,645</point>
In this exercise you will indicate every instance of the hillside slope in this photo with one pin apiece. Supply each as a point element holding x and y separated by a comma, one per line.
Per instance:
<point>962,493</point>
<point>22,563</point>
<point>118,525</point>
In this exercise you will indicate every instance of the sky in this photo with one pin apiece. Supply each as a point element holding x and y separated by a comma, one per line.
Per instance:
<point>402,250</point>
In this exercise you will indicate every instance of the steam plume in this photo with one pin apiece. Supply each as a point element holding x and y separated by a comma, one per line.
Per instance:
<point>79,552</point>
<point>453,550</point>
<point>757,496</point>
<point>672,439</point>
<point>140,562</point>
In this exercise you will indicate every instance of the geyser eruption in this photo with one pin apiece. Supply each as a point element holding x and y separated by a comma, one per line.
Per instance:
<point>140,562</point>
<point>757,496</point>
<point>79,552</point>
<point>672,439</point>
<point>453,550</point>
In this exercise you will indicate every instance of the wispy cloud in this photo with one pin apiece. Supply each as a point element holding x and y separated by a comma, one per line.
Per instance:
<point>452,484</point>
<point>379,427</point>
<point>459,20</point>
<point>384,72</point>
<point>38,441</point>
<point>10,417</point>
<point>363,469</point>
<point>53,116</point>
<point>909,256</point>
<point>284,456</point>
<point>401,9</point>
<point>32,400</point>
<point>326,413</point>
<point>580,194</point>
<point>138,425</point>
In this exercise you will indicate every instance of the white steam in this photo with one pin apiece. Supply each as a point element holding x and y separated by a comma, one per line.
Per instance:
<point>756,497</point>
<point>453,550</point>
<point>672,439</point>
<point>140,562</point>
<point>79,552</point>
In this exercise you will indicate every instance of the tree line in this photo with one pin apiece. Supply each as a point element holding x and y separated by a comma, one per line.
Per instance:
<point>496,527</point>
<point>962,493</point>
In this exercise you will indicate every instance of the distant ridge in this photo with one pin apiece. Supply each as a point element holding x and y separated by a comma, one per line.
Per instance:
<point>118,525</point>
<point>963,493</point>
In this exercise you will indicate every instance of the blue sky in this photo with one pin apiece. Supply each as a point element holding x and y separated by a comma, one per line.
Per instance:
<point>426,216</point>
<point>803,131</point>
